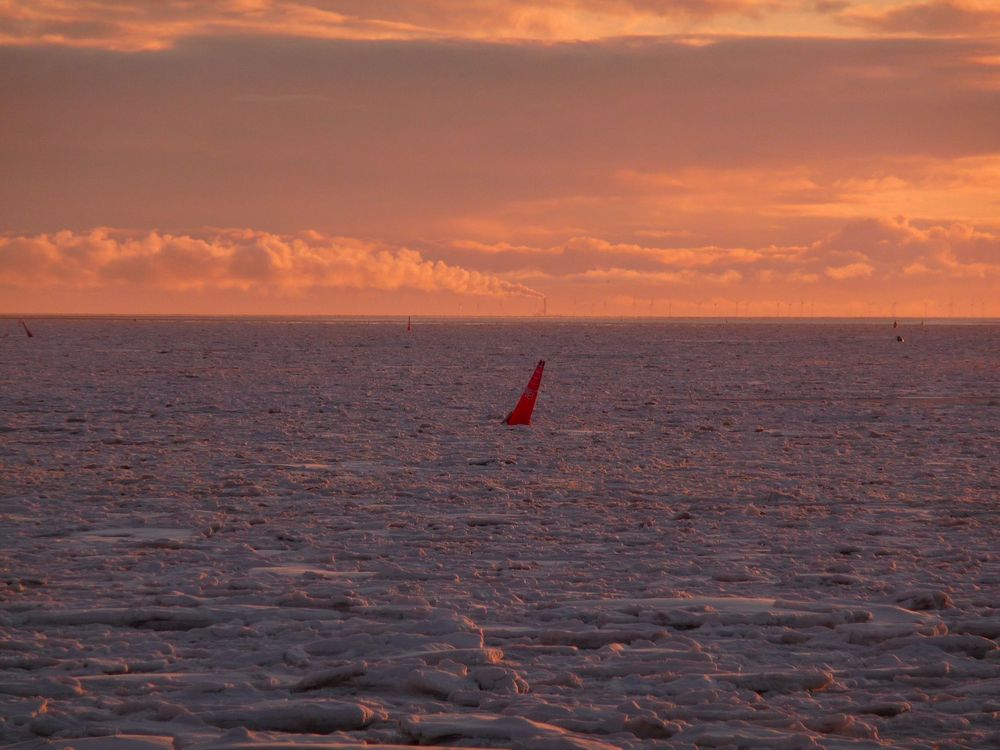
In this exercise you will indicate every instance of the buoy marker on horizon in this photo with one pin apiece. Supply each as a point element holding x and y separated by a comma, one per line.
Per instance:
<point>526,404</point>
<point>409,327</point>
<point>26,329</point>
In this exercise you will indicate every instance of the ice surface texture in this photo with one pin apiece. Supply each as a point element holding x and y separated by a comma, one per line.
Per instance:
<point>268,534</point>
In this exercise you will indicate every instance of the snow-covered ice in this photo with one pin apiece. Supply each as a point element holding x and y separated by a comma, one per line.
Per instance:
<point>223,534</point>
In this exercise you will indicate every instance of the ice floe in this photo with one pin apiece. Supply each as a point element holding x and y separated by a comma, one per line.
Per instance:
<point>237,535</point>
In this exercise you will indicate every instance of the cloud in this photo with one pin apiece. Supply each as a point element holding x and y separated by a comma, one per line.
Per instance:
<point>683,277</point>
<point>531,143</point>
<point>589,257</point>
<point>850,271</point>
<point>153,24</point>
<point>883,249</point>
<point>862,268</point>
<point>922,187</point>
<point>854,269</point>
<point>144,25</point>
<point>891,244</point>
<point>934,18</point>
<point>231,259</point>
<point>749,206</point>
<point>136,25</point>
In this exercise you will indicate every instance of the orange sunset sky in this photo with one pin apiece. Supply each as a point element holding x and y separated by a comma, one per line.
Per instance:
<point>614,157</point>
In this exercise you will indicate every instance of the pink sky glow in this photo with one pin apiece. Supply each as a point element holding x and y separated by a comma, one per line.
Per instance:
<point>619,157</point>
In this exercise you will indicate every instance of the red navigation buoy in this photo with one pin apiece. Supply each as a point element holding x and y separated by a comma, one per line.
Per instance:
<point>408,326</point>
<point>526,404</point>
<point>26,330</point>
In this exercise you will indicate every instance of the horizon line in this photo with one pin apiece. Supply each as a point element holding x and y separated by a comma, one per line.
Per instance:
<point>462,316</point>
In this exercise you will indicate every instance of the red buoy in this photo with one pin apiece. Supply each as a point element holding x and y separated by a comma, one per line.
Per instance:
<point>526,404</point>
<point>408,326</point>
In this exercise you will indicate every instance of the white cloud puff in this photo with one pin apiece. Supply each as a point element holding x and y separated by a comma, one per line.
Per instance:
<point>892,246</point>
<point>231,259</point>
<point>871,248</point>
<point>850,271</point>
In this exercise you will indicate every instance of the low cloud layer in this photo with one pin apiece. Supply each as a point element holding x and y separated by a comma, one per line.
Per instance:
<point>886,248</point>
<point>233,259</point>
<point>864,267</point>
<point>860,268</point>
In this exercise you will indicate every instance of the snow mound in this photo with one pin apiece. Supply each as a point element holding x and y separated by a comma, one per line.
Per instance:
<point>298,716</point>
<point>523,733</point>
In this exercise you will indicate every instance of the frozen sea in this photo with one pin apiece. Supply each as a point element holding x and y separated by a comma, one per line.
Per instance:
<point>229,533</point>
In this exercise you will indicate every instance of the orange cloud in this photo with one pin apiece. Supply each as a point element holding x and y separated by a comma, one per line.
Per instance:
<point>933,18</point>
<point>685,277</point>
<point>526,143</point>
<point>862,248</point>
<point>747,166</point>
<point>851,270</point>
<point>132,25</point>
<point>919,186</point>
<point>232,259</point>
<point>862,268</point>
<point>153,24</point>
<point>891,244</point>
